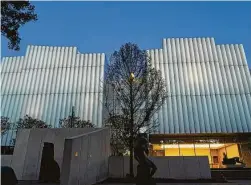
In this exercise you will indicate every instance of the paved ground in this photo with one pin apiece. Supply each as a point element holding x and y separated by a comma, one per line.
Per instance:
<point>239,183</point>
<point>232,182</point>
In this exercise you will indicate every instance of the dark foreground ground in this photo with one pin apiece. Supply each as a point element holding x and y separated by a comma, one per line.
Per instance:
<point>128,181</point>
<point>232,182</point>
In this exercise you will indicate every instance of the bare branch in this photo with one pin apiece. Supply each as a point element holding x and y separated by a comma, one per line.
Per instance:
<point>138,100</point>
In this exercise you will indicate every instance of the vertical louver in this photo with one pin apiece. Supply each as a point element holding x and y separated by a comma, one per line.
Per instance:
<point>48,81</point>
<point>208,86</point>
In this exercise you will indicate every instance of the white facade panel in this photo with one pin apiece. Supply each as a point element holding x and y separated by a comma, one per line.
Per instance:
<point>208,86</point>
<point>181,101</point>
<point>230,92</point>
<point>166,76</point>
<point>244,62</point>
<point>47,82</point>
<point>83,72</point>
<point>163,72</point>
<point>171,92</point>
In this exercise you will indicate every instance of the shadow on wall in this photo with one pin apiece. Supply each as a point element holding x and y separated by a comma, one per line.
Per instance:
<point>49,168</point>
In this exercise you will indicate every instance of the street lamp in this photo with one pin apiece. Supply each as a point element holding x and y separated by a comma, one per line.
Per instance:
<point>131,79</point>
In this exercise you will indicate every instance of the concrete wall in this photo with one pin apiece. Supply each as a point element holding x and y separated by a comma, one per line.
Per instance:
<point>28,149</point>
<point>6,160</point>
<point>86,158</point>
<point>168,167</point>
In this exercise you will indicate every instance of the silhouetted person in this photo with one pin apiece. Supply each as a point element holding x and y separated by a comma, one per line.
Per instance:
<point>146,168</point>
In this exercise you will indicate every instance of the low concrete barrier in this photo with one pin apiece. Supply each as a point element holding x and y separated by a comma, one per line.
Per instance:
<point>26,158</point>
<point>191,167</point>
<point>6,160</point>
<point>86,158</point>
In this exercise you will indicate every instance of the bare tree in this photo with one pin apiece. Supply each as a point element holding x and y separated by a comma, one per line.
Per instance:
<point>74,122</point>
<point>119,139</point>
<point>133,92</point>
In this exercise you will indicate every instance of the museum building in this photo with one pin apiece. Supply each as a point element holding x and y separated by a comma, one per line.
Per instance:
<point>207,112</point>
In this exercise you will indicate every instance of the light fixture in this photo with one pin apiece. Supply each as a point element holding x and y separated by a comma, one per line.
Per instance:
<point>131,78</point>
<point>212,146</point>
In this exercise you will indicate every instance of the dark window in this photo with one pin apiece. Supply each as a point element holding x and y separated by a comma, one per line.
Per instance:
<point>7,150</point>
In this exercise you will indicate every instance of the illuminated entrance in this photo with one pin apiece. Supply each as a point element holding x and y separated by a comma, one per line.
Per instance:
<point>213,146</point>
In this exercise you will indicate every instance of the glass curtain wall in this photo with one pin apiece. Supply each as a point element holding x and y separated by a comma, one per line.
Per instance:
<point>214,149</point>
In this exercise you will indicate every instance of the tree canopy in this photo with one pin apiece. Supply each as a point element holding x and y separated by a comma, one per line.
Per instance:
<point>15,14</point>
<point>29,122</point>
<point>5,124</point>
<point>73,121</point>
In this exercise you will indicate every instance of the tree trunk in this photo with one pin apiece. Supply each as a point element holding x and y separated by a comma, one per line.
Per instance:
<point>131,132</point>
<point>131,157</point>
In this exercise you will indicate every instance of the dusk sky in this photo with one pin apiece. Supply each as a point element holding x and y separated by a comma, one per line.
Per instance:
<point>105,26</point>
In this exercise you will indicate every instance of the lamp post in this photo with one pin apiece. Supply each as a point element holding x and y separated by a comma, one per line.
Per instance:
<point>131,80</point>
<point>72,117</point>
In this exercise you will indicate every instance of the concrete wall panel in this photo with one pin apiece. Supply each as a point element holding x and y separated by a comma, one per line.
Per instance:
<point>59,140</point>
<point>20,151</point>
<point>28,150</point>
<point>49,136</point>
<point>83,175</point>
<point>191,167</point>
<point>89,162</point>
<point>176,167</point>
<point>6,160</point>
<point>66,165</point>
<point>75,166</point>
<point>116,163</point>
<point>163,170</point>
<point>205,172</point>
<point>168,167</point>
<point>93,157</point>
<point>127,166</point>
<point>33,154</point>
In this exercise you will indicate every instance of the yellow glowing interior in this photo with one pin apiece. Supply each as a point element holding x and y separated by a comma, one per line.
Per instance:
<point>213,151</point>
<point>203,146</point>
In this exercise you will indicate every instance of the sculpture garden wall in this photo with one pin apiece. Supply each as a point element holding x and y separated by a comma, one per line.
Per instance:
<point>26,158</point>
<point>86,158</point>
<point>194,167</point>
